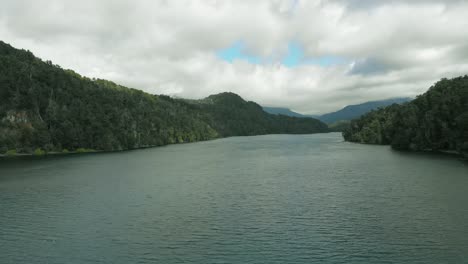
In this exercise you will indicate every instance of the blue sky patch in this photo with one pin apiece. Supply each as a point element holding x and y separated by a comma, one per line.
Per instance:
<point>294,57</point>
<point>237,52</point>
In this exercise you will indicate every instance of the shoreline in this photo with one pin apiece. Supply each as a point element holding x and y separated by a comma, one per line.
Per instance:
<point>461,155</point>
<point>90,151</point>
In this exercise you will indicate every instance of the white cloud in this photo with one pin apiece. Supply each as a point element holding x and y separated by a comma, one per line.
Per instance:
<point>391,48</point>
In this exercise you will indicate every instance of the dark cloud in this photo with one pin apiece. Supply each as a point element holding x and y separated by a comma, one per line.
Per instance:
<point>369,66</point>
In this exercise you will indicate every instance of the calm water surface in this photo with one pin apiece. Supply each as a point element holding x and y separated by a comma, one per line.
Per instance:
<point>264,199</point>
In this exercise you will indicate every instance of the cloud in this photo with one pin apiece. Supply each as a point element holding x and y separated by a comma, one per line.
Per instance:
<point>349,51</point>
<point>369,66</point>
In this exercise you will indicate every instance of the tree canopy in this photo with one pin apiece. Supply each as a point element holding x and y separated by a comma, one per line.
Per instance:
<point>46,108</point>
<point>434,121</point>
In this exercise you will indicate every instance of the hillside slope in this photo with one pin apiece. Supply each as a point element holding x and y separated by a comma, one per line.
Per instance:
<point>283,111</point>
<point>45,107</point>
<point>434,121</point>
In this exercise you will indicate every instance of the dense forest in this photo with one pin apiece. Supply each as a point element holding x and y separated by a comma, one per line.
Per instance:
<point>44,108</point>
<point>434,121</point>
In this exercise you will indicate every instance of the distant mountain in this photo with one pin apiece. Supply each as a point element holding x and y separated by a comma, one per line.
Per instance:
<point>354,111</point>
<point>283,111</point>
<point>346,114</point>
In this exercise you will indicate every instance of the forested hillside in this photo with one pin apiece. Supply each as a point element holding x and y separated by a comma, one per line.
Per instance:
<point>46,108</point>
<point>434,121</point>
<point>230,115</point>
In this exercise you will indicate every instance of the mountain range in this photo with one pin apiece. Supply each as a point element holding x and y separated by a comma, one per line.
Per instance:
<point>345,114</point>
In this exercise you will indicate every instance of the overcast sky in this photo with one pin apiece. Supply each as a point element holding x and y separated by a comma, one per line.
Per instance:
<point>311,56</point>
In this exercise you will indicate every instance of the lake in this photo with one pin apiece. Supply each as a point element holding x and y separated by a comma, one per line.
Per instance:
<point>262,199</point>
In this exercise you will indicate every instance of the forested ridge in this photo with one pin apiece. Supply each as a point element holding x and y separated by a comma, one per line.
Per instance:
<point>44,108</point>
<point>434,121</point>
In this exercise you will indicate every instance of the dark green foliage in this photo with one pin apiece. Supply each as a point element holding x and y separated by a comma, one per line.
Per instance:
<point>39,152</point>
<point>434,121</point>
<point>46,108</point>
<point>230,115</point>
<point>339,126</point>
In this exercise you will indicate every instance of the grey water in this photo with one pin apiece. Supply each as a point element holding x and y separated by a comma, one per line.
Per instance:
<point>262,199</point>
